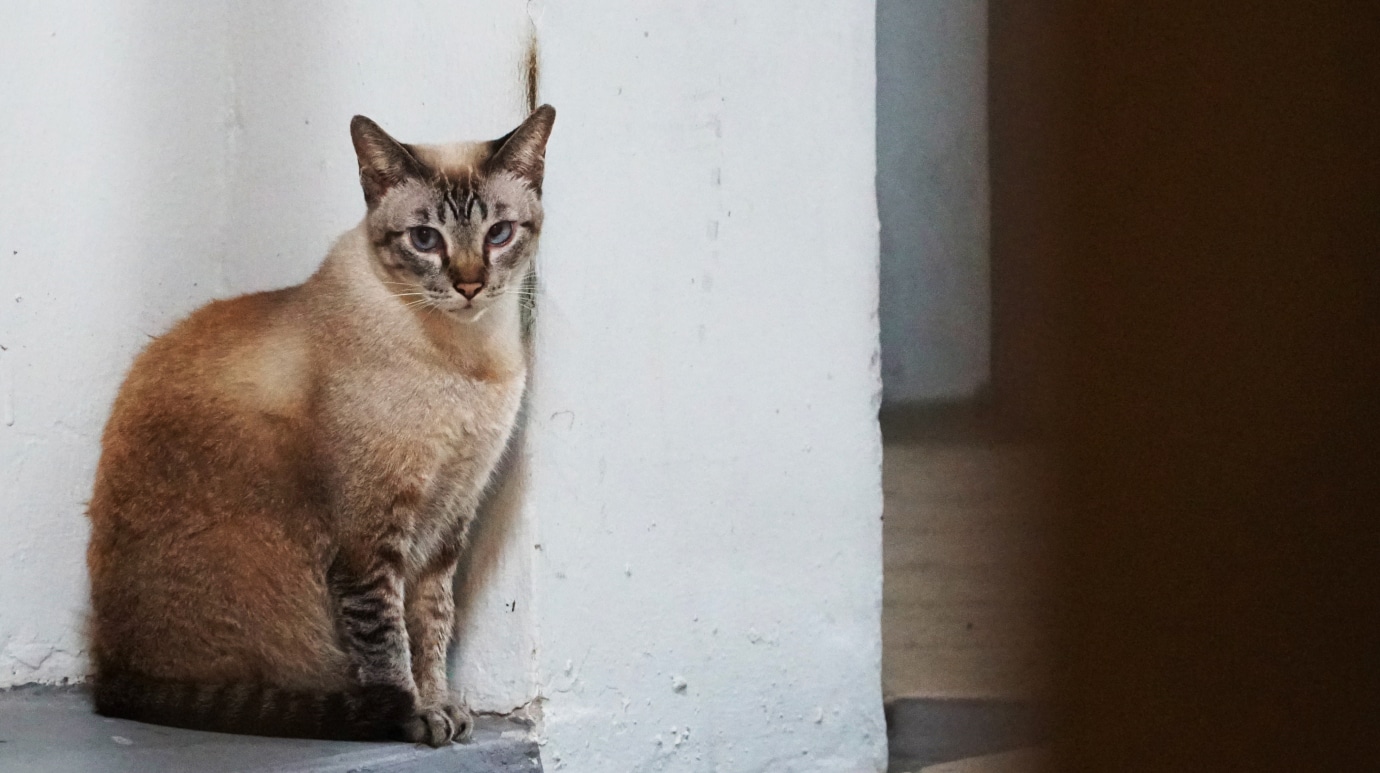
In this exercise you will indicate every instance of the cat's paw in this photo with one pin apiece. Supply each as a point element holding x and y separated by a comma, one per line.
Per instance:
<point>440,725</point>
<point>463,721</point>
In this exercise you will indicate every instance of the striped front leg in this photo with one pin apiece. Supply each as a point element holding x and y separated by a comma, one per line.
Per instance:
<point>368,583</point>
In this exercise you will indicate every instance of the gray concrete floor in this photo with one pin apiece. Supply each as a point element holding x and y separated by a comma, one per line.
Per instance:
<point>54,731</point>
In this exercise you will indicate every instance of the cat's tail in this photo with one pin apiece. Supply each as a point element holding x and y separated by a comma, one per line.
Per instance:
<point>362,714</point>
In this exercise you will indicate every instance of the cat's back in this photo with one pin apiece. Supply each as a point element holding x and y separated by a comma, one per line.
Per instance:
<point>247,352</point>
<point>225,387</point>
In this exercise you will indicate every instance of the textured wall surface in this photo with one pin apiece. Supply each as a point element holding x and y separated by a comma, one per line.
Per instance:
<point>704,454</point>
<point>112,225</point>
<point>932,194</point>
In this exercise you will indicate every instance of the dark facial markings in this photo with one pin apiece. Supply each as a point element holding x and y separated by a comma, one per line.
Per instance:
<point>418,263</point>
<point>475,201</point>
<point>511,251</point>
<point>451,199</point>
<point>460,198</point>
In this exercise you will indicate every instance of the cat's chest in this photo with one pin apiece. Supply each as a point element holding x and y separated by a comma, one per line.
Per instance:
<point>452,418</point>
<point>468,417</point>
<point>458,435</point>
<point>421,441</point>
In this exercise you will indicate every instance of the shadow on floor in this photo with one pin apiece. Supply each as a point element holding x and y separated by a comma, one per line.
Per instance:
<point>927,731</point>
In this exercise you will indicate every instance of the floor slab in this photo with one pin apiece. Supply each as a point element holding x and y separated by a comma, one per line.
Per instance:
<point>44,730</point>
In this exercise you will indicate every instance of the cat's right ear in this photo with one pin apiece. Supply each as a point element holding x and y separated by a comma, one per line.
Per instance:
<point>383,161</point>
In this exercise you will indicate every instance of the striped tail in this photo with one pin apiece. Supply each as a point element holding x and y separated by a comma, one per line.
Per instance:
<point>363,714</point>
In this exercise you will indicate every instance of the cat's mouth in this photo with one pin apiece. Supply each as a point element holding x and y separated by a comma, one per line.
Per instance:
<point>469,313</point>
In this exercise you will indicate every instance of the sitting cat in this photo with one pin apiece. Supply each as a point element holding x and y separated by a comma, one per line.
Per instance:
<point>287,477</point>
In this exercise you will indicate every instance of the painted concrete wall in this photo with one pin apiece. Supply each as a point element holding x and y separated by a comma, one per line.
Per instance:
<point>933,198</point>
<point>112,225</point>
<point>704,454</point>
<point>685,565</point>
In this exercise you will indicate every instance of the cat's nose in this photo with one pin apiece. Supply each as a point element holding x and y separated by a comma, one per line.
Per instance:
<point>469,289</point>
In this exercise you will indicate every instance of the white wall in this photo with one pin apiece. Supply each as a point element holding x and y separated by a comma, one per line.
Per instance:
<point>933,197</point>
<point>704,455</point>
<point>112,129</point>
<point>690,541</point>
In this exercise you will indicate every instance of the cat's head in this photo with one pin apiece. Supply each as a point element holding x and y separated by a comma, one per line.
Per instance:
<point>454,227</point>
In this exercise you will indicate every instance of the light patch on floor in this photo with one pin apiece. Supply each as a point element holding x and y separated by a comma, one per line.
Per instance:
<point>966,571</point>
<point>1020,761</point>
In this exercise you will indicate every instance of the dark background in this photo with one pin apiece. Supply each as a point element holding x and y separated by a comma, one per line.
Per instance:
<point>1185,275</point>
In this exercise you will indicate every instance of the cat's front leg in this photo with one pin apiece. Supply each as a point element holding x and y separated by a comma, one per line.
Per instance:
<point>430,620</point>
<point>367,579</point>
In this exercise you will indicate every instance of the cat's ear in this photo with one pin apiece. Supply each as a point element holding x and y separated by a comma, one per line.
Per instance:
<point>383,161</point>
<point>522,151</point>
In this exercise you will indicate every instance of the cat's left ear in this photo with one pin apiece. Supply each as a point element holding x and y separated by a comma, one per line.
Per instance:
<point>383,161</point>
<point>522,151</point>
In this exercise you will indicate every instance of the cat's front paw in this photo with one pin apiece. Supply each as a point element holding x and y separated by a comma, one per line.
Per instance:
<point>440,725</point>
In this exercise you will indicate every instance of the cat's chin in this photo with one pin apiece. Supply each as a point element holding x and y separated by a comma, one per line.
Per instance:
<point>470,314</point>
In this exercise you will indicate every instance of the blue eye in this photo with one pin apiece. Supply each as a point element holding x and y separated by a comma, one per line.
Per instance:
<point>425,238</point>
<point>500,233</point>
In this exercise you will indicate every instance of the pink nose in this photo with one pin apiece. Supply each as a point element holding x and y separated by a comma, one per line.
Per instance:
<point>469,289</point>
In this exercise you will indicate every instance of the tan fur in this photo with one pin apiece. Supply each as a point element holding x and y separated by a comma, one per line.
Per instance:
<point>275,441</point>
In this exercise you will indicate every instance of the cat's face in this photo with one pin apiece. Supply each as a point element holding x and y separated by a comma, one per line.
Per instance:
<point>454,227</point>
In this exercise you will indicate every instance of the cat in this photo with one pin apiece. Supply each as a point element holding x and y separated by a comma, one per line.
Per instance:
<point>287,477</point>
